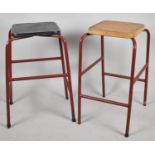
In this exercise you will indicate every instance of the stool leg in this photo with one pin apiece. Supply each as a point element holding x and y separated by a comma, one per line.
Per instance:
<point>10,70</point>
<point>147,69</point>
<point>131,87</point>
<point>79,81</point>
<point>102,65</point>
<point>63,67</point>
<point>7,85</point>
<point>69,79</point>
<point>80,76</point>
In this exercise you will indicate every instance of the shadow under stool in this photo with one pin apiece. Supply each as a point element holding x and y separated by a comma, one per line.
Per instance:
<point>125,30</point>
<point>43,29</point>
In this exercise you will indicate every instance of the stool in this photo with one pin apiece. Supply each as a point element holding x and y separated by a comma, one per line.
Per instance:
<point>117,29</point>
<point>43,29</point>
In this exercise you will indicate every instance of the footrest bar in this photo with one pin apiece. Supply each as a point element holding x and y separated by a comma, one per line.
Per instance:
<point>104,100</point>
<point>37,59</point>
<point>122,76</point>
<point>38,77</point>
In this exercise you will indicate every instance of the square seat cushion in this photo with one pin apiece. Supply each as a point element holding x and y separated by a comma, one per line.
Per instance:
<point>35,29</point>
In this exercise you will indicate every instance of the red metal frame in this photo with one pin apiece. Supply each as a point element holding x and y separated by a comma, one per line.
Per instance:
<point>132,78</point>
<point>66,74</point>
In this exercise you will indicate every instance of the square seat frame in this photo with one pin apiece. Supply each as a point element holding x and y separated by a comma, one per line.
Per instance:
<point>66,73</point>
<point>133,78</point>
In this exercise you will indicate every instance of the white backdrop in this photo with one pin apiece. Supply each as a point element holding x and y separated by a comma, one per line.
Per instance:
<point>41,104</point>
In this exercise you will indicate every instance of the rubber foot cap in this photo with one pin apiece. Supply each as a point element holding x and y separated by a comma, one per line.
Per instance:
<point>8,126</point>
<point>73,120</point>
<point>126,135</point>
<point>11,103</point>
<point>144,104</point>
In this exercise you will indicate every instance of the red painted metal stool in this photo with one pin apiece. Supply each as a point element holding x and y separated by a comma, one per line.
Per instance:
<point>44,29</point>
<point>124,30</point>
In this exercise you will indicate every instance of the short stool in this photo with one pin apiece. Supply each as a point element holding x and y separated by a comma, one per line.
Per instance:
<point>43,29</point>
<point>116,29</point>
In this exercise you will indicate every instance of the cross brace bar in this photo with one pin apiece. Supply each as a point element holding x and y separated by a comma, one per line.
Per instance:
<point>38,77</point>
<point>104,100</point>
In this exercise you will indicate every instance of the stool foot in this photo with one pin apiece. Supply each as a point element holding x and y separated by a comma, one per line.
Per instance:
<point>73,120</point>
<point>79,122</point>
<point>11,103</point>
<point>8,126</point>
<point>126,135</point>
<point>144,104</point>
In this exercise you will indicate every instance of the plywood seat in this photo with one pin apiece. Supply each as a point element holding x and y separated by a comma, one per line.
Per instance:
<point>117,29</point>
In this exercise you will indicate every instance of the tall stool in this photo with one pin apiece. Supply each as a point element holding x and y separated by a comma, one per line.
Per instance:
<point>117,29</point>
<point>43,29</point>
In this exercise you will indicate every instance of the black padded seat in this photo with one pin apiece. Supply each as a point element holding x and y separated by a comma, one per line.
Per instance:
<point>34,29</point>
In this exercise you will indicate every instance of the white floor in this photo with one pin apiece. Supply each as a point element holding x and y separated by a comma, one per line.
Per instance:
<point>40,112</point>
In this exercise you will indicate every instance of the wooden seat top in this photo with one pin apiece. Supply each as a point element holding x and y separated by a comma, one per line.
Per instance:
<point>117,29</point>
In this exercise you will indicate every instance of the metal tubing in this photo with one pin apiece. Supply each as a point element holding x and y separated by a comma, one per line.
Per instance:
<point>9,78</point>
<point>122,76</point>
<point>7,57</point>
<point>38,77</point>
<point>63,67</point>
<point>10,68</point>
<point>140,73</point>
<point>104,100</point>
<point>34,60</point>
<point>132,79</point>
<point>91,66</point>
<point>69,78</point>
<point>67,85</point>
<point>102,65</point>
<point>147,69</point>
<point>131,86</point>
<point>80,76</point>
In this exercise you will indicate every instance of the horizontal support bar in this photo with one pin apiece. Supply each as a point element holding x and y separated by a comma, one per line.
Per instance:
<point>140,73</point>
<point>38,77</point>
<point>104,100</point>
<point>90,66</point>
<point>111,74</point>
<point>122,76</point>
<point>38,59</point>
